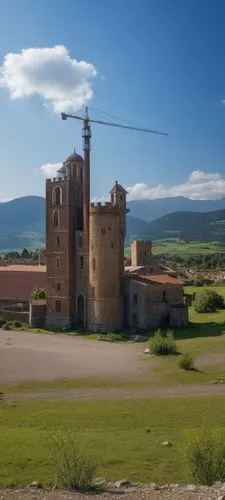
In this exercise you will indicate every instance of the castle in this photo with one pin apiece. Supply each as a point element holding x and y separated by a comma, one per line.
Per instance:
<point>88,284</point>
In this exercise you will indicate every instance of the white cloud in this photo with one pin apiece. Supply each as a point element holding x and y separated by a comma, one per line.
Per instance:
<point>199,186</point>
<point>50,169</point>
<point>51,73</point>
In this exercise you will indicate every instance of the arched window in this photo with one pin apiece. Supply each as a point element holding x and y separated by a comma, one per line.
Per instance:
<point>56,218</point>
<point>57,196</point>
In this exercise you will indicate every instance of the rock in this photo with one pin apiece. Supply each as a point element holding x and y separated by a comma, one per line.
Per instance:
<point>123,484</point>
<point>190,487</point>
<point>222,497</point>
<point>147,351</point>
<point>35,484</point>
<point>166,443</point>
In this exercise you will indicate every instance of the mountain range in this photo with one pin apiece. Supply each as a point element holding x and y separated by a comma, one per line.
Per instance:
<point>22,221</point>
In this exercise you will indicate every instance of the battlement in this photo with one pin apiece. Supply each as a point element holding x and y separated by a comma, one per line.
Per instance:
<point>57,179</point>
<point>104,208</point>
<point>146,243</point>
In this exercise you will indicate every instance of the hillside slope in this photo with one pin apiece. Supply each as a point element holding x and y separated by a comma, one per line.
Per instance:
<point>149,210</point>
<point>192,226</point>
<point>22,224</point>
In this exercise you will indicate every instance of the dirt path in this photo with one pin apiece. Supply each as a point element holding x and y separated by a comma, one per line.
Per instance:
<point>43,357</point>
<point>144,492</point>
<point>175,391</point>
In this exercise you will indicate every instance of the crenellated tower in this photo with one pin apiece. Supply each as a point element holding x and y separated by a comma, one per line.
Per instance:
<point>105,312</point>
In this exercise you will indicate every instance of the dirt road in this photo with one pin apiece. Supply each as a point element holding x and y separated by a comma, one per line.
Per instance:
<point>134,493</point>
<point>43,357</point>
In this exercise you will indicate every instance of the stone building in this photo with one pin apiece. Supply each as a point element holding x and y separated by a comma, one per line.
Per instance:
<point>87,283</point>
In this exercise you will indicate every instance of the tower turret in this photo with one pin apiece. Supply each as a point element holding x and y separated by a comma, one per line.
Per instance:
<point>118,196</point>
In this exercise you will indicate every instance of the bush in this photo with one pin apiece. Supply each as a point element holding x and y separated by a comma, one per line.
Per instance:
<point>74,469</point>
<point>208,301</point>
<point>2,322</point>
<point>163,344</point>
<point>186,362</point>
<point>6,326</point>
<point>114,337</point>
<point>198,280</point>
<point>205,456</point>
<point>17,324</point>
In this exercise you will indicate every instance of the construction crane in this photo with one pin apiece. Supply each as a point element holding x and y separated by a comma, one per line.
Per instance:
<point>86,133</point>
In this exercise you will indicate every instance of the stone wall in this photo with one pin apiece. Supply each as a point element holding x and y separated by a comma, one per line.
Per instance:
<point>153,306</point>
<point>15,315</point>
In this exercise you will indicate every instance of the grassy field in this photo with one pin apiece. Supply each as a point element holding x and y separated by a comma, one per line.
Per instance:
<point>183,248</point>
<point>175,246</point>
<point>124,436</point>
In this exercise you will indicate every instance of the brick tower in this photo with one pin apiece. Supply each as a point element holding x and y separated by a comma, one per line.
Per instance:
<point>118,196</point>
<point>141,253</point>
<point>105,312</point>
<point>66,276</point>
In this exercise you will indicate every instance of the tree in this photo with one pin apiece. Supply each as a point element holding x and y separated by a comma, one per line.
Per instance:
<point>38,294</point>
<point>208,301</point>
<point>25,254</point>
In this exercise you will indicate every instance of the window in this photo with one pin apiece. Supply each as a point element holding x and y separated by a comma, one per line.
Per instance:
<point>135,320</point>
<point>57,241</point>
<point>112,245</point>
<point>103,231</point>
<point>82,262</point>
<point>58,287</point>
<point>56,218</point>
<point>135,299</point>
<point>121,197</point>
<point>109,228</point>
<point>57,262</point>
<point>80,240</point>
<point>93,264</point>
<point>57,196</point>
<point>145,253</point>
<point>58,305</point>
<point>164,296</point>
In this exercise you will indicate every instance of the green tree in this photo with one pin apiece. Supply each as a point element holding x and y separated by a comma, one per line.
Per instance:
<point>208,301</point>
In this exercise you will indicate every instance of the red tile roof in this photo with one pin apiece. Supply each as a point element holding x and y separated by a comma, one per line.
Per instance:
<point>18,284</point>
<point>164,279</point>
<point>156,279</point>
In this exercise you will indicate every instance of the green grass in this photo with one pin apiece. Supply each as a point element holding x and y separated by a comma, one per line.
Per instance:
<point>183,248</point>
<point>125,436</point>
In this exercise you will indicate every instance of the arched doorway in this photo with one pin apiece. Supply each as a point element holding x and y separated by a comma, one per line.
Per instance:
<point>80,310</point>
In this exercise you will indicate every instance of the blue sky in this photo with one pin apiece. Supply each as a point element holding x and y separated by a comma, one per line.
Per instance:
<point>160,64</point>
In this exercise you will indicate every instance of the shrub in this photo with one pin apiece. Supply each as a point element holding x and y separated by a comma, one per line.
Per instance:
<point>38,294</point>
<point>6,326</point>
<point>198,280</point>
<point>2,322</point>
<point>114,337</point>
<point>163,344</point>
<point>208,301</point>
<point>17,324</point>
<point>205,456</point>
<point>74,468</point>
<point>186,362</point>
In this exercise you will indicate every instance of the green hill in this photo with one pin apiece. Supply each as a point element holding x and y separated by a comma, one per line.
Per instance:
<point>22,224</point>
